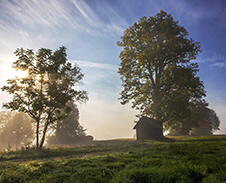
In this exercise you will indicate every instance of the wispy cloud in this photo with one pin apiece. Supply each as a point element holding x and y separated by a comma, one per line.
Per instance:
<point>210,58</point>
<point>215,58</point>
<point>35,23</point>
<point>213,61</point>
<point>193,11</point>
<point>100,79</point>
<point>86,12</point>
<point>76,14</point>
<point>109,67</point>
<point>219,64</point>
<point>32,13</point>
<point>182,8</point>
<point>101,21</point>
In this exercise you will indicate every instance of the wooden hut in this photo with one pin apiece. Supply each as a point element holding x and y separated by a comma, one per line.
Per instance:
<point>148,129</point>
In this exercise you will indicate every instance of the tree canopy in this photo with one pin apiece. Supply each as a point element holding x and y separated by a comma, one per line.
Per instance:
<point>157,74</point>
<point>44,93</point>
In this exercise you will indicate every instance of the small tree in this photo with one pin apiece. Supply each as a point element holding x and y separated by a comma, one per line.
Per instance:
<point>68,130</point>
<point>44,93</point>
<point>156,73</point>
<point>17,130</point>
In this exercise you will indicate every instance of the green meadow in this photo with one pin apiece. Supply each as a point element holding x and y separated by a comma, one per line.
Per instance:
<point>180,159</point>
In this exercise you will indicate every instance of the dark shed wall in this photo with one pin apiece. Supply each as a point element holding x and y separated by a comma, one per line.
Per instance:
<point>148,133</point>
<point>148,129</point>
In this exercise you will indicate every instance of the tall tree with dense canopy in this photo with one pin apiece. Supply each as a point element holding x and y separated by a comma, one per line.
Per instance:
<point>44,93</point>
<point>156,72</point>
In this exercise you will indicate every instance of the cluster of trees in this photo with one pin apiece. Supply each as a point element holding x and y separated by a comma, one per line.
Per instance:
<point>158,73</point>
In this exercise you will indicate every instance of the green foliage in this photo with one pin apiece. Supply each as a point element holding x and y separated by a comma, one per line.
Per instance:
<point>44,93</point>
<point>186,159</point>
<point>155,68</point>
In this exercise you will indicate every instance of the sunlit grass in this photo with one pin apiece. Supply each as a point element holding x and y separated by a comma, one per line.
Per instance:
<point>186,159</point>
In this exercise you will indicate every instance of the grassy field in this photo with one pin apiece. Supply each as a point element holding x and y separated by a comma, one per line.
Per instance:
<point>183,159</point>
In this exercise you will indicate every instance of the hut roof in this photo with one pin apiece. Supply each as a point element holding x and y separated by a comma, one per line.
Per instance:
<point>146,121</point>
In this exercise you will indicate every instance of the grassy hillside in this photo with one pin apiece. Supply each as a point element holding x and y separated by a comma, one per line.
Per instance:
<point>183,159</point>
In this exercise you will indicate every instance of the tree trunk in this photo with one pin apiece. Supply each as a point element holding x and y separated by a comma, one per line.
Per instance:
<point>162,136</point>
<point>157,104</point>
<point>43,135</point>
<point>37,134</point>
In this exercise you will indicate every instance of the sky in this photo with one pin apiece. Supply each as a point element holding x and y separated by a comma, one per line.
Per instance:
<point>90,29</point>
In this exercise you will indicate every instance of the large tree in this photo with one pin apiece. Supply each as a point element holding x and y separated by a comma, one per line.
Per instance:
<point>44,93</point>
<point>156,72</point>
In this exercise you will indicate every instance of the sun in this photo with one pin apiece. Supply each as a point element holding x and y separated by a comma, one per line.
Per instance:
<point>7,73</point>
<point>20,73</point>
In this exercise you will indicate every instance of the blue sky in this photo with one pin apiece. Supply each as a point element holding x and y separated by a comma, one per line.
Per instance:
<point>90,29</point>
